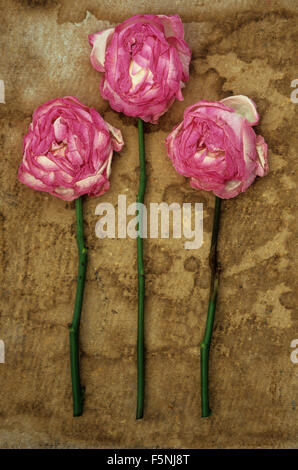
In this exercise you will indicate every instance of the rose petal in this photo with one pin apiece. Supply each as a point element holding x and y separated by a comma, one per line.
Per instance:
<point>60,130</point>
<point>116,137</point>
<point>243,106</point>
<point>46,163</point>
<point>31,181</point>
<point>262,151</point>
<point>99,42</point>
<point>172,25</point>
<point>68,194</point>
<point>85,186</point>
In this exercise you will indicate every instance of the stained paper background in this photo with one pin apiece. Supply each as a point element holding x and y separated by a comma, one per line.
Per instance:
<point>239,47</point>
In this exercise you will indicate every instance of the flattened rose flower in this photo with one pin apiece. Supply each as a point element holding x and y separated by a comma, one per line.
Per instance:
<point>145,61</point>
<point>68,150</point>
<point>217,148</point>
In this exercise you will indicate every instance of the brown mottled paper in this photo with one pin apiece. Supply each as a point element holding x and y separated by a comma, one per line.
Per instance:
<point>245,47</point>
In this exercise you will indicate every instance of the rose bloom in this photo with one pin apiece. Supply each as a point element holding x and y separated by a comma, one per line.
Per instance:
<point>68,150</point>
<point>145,61</point>
<point>217,148</point>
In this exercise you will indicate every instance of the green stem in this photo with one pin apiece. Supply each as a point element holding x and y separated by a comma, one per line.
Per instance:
<point>205,345</point>
<point>141,276</point>
<point>77,390</point>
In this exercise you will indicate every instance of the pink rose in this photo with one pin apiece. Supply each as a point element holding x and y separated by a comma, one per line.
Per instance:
<point>145,61</point>
<point>217,148</point>
<point>68,150</point>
